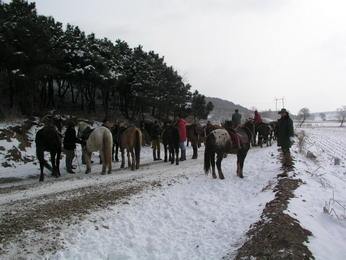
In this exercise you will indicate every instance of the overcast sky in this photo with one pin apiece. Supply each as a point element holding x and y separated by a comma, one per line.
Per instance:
<point>246,51</point>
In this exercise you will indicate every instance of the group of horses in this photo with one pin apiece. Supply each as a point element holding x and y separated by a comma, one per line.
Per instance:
<point>98,139</point>
<point>218,140</point>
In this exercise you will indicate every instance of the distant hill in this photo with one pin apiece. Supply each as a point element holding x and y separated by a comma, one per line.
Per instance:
<point>223,110</point>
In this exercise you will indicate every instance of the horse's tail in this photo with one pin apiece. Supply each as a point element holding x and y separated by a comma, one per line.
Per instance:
<point>107,149</point>
<point>208,153</point>
<point>137,145</point>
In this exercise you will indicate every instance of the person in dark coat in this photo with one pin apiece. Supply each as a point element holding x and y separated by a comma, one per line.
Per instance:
<point>285,137</point>
<point>155,134</point>
<point>70,141</point>
<point>236,118</point>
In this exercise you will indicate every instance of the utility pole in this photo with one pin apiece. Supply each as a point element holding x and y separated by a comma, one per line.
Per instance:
<point>276,102</point>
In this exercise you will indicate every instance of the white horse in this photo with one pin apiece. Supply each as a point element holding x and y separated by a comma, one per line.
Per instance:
<point>100,139</point>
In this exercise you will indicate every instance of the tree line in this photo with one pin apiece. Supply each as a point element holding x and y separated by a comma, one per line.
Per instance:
<point>46,66</point>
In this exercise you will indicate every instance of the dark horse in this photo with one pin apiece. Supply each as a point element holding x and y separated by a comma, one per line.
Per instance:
<point>170,140</point>
<point>48,139</point>
<point>222,141</point>
<point>265,134</point>
<point>195,134</point>
<point>117,129</point>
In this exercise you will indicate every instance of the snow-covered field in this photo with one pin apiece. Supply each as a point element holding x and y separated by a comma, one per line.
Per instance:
<point>192,216</point>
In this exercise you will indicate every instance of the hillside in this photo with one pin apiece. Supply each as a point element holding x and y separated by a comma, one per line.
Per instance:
<point>223,109</point>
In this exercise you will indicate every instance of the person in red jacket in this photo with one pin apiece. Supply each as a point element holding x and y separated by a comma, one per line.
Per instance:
<point>257,118</point>
<point>181,124</point>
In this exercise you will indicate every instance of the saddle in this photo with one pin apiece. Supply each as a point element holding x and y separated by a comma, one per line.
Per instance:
<point>238,136</point>
<point>86,133</point>
<point>235,137</point>
<point>243,137</point>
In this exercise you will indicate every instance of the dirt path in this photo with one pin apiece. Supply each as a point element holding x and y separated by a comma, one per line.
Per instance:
<point>276,235</point>
<point>43,208</point>
<point>46,208</point>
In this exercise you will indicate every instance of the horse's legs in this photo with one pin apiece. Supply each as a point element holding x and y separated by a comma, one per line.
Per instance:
<point>212,161</point>
<point>270,139</point>
<point>218,165</point>
<point>171,154</point>
<point>240,163</point>
<point>165,150</point>
<point>116,152</point>
<point>54,168</point>
<point>41,173</point>
<point>194,146</point>
<point>87,161</point>
<point>176,156</point>
<point>102,156</point>
<point>122,158</point>
<point>128,158</point>
<point>57,162</point>
<point>133,163</point>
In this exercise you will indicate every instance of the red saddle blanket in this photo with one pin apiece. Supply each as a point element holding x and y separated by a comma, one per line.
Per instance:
<point>235,137</point>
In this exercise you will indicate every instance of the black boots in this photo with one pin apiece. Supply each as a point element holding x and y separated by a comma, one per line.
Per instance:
<point>158,155</point>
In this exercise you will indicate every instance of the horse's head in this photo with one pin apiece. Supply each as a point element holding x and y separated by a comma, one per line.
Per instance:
<point>250,125</point>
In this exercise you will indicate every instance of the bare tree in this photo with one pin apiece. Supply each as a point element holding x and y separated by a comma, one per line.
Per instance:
<point>303,114</point>
<point>342,115</point>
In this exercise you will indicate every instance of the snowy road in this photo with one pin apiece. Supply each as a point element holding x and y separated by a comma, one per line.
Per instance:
<point>162,211</point>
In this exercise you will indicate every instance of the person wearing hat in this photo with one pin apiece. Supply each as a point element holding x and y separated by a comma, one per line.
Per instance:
<point>236,118</point>
<point>70,141</point>
<point>285,136</point>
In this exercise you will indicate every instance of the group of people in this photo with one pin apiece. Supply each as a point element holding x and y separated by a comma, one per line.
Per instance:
<point>70,140</point>
<point>284,131</point>
<point>155,134</point>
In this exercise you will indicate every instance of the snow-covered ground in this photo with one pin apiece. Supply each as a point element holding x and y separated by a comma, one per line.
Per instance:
<point>323,181</point>
<point>192,216</point>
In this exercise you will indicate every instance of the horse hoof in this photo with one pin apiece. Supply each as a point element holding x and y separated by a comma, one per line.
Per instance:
<point>87,172</point>
<point>103,173</point>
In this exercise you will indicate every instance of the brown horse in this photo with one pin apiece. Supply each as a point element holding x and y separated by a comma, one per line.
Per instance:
<point>171,140</point>
<point>265,134</point>
<point>274,126</point>
<point>221,142</point>
<point>131,140</point>
<point>195,134</point>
